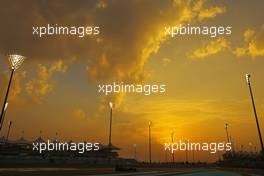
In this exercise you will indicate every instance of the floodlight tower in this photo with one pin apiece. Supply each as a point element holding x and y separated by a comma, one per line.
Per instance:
<point>135,151</point>
<point>250,147</point>
<point>9,128</point>
<point>254,109</point>
<point>186,153</point>
<point>166,155</point>
<point>110,128</point>
<point>227,136</point>
<point>172,154</point>
<point>149,125</point>
<point>15,61</point>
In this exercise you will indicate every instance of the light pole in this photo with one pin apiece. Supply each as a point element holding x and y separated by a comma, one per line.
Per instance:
<point>254,109</point>
<point>22,134</point>
<point>250,147</point>
<point>193,156</point>
<point>232,142</point>
<point>135,151</point>
<point>219,157</point>
<point>110,128</point>
<point>150,123</point>
<point>186,154</point>
<point>56,137</point>
<point>242,147</point>
<point>172,154</point>
<point>8,132</point>
<point>166,155</point>
<point>15,61</point>
<point>226,127</point>
<point>3,116</point>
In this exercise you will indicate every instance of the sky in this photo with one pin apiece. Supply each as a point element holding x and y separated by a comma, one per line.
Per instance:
<point>56,88</point>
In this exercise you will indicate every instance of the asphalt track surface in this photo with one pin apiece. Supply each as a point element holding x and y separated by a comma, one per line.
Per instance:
<point>111,172</point>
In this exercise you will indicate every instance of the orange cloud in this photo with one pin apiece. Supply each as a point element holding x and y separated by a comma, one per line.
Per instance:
<point>204,13</point>
<point>38,87</point>
<point>16,86</point>
<point>212,48</point>
<point>210,13</point>
<point>79,113</point>
<point>254,44</point>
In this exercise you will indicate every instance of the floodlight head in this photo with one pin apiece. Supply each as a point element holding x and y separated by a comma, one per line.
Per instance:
<point>150,123</point>
<point>226,125</point>
<point>111,105</point>
<point>135,145</point>
<point>247,78</point>
<point>16,61</point>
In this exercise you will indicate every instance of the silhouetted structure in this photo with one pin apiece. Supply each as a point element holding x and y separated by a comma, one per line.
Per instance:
<point>243,159</point>
<point>21,151</point>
